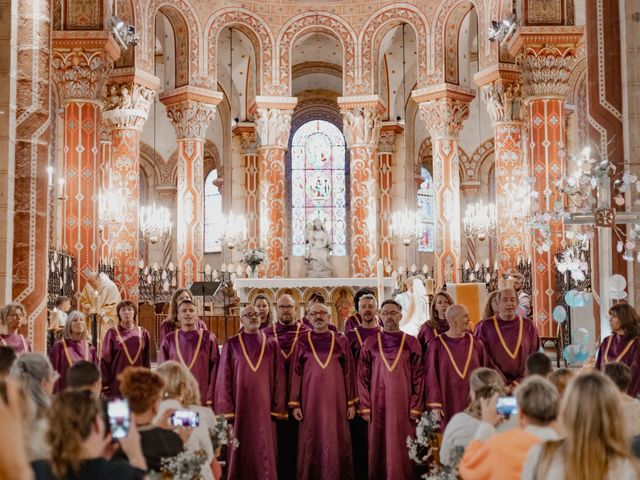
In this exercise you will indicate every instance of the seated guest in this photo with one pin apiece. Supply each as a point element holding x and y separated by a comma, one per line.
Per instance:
<point>502,455</point>
<point>491,306</point>
<point>84,375</point>
<point>73,347</point>
<point>354,320</point>
<point>538,363</point>
<point>437,322</point>
<point>261,302</point>
<point>143,389</point>
<point>78,448</point>
<point>313,299</point>
<point>12,317</point>
<point>561,377</point>
<point>7,357</point>
<point>483,384</point>
<point>594,447</point>
<point>621,376</point>
<point>171,323</point>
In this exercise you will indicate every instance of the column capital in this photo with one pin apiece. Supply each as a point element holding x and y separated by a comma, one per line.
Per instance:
<point>546,56</point>
<point>501,90</point>
<point>246,132</point>
<point>362,120</point>
<point>191,110</point>
<point>81,63</point>
<point>273,120</point>
<point>128,100</point>
<point>388,135</point>
<point>444,108</point>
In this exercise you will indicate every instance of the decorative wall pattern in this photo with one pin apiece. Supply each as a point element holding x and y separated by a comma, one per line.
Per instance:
<point>386,149</point>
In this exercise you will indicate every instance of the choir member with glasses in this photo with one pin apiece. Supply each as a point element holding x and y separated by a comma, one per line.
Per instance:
<point>356,319</point>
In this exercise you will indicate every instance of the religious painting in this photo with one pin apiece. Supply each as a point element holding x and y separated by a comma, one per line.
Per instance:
<point>212,214</point>
<point>318,181</point>
<point>426,211</point>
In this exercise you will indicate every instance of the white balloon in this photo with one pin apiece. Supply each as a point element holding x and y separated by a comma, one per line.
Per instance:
<point>617,282</point>
<point>617,294</point>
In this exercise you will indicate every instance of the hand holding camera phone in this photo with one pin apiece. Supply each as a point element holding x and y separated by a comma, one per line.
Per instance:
<point>507,406</point>
<point>119,416</point>
<point>185,418</point>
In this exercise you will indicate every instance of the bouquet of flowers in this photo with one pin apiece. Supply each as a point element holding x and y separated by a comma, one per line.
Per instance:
<point>420,448</point>
<point>254,257</point>
<point>222,434</point>
<point>186,465</point>
<point>446,472</point>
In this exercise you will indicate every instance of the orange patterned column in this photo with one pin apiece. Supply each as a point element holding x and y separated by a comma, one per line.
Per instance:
<point>273,123</point>
<point>191,110</point>
<point>106,167</point>
<point>546,56</point>
<point>444,108</point>
<point>126,109</point>
<point>248,145</point>
<point>362,131</point>
<point>386,149</point>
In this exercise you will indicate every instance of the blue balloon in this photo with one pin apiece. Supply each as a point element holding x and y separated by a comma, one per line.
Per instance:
<point>581,337</point>
<point>570,298</point>
<point>569,353</point>
<point>582,354</point>
<point>559,314</point>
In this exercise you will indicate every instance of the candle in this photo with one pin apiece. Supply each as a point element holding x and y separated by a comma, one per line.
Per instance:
<point>380,288</point>
<point>430,285</point>
<point>94,301</point>
<point>61,187</point>
<point>50,175</point>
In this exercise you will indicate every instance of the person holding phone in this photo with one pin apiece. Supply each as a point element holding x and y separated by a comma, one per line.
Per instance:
<point>250,393</point>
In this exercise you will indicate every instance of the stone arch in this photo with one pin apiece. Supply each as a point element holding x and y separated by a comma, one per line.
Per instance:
<point>471,166</point>
<point>374,30</point>
<point>425,155</point>
<point>451,34</point>
<point>316,22</point>
<point>153,162</point>
<point>211,158</point>
<point>258,33</point>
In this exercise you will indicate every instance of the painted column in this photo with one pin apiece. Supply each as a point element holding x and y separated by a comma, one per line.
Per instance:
<point>32,135</point>
<point>126,110</point>
<point>248,145</point>
<point>362,133</point>
<point>546,56</point>
<point>386,149</point>
<point>80,74</point>
<point>501,92</point>
<point>444,108</point>
<point>191,110</point>
<point>106,167</point>
<point>273,125</point>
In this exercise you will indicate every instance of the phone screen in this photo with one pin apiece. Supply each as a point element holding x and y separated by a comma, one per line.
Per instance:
<point>119,418</point>
<point>185,418</point>
<point>507,406</point>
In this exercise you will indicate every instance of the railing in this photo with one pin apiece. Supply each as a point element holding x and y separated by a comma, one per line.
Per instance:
<point>157,284</point>
<point>62,273</point>
<point>108,269</point>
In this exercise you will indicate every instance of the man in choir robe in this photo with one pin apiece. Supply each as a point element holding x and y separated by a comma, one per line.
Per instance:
<point>450,359</point>
<point>391,390</point>
<point>250,392</point>
<point>287,332</point>
<point>367,308</point>
<point>313,299</point>
<point>322,396</point>
<point>508,338</point>
<point>356,319</point>
<point>196,348</point>
<point>100,296</point>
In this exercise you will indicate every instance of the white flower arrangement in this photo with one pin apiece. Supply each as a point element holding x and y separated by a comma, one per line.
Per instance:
<point>186,465</point>
<point>254,257</point>
<point>420,448</point>
<point>222,434</point>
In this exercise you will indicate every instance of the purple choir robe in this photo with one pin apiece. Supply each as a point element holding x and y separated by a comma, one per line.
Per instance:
<point>448,366</point>
<point>166,327</point>
<point>287,337</point>
<point>354,320</point>
<point>67,352</point>
<point>198,350</point>
<point>322,384</point>
<point>130,350</point>
<point>250,391</point>
<point>307,323</point>
<point>17,341</point>
<point>616,348</point>
<point>428,333</point>
<point>391,391</point>
<point>508,343</point>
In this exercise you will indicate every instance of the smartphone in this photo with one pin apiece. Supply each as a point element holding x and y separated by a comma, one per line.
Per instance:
<point>119,416</point>
<point>185,418</point>
<point>507,406</point>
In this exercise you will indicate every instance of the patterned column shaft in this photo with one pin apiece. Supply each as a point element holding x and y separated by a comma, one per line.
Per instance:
<point>251,204</point>
<point>33,125</point>
<point>386,148</point>
<point>106,167</point>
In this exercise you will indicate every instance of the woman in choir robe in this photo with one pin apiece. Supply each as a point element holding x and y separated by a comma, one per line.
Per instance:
<point>170,324</point>
<point>126,345</point>
<point>250,393</point>
<point>491,305</point>
<point>508,338</point>
<point>12,317</point>
<point>261,302</point>
<point>73,347</point>
<point>437,323</point>
<point>623,345</point>
<point>449,361</point>
<point>356,319</point>
<point>313,299</point>
<point>195,348</point>
<point>322,396</point>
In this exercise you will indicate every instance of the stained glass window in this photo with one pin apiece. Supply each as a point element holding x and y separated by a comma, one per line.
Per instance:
<point>212,212</point>
<point>426,209</point>
<point>318,184</point>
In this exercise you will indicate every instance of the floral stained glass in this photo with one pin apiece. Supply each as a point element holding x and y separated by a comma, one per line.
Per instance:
<point>426,242</point>
<point>318,184</point>
<point>212,214</point>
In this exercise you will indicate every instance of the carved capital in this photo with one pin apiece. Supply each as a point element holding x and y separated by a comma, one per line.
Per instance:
<point>246,133</point>
<point>503,99</point>
<point>127,105</point>
<point>387,141</point>
<point>191,118</point>
<point>444,117</point>
<point>273,126</point>
<point>362,120</point>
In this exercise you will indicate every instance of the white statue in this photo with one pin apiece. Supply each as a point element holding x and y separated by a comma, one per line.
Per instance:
<point>318,242</point>
<point>415,313</point>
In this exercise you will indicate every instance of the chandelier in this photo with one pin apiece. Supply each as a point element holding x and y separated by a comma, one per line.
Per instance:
<point>406,226</point>
<point>234,230</point>
<point>155,222</point>
<point>111,205</point>
<point>480,220</point>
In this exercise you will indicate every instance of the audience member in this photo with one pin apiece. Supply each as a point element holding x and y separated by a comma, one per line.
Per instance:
<point>595,446</point>
<point>561,377</point>
<point>7,357</point>
<point>14,461</point>
<point>85,375</point>
<point>12,317</point>
<point>621,376</point>
<point>538,363</point>
<point>58,316</point>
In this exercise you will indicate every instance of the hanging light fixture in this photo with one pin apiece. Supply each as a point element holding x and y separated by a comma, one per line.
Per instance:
<point>480,220</point>
<point>406,226</point>
<point>155,222</point>
<point>234,230</point>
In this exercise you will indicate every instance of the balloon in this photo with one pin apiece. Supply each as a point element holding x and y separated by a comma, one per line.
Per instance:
<point>617,282</point>
<point>569,353</point>
<point>559,314</point>
<point>586,298</point>
<point>582,354</point>
<point>581,337</point>
<point>571,298</point>
<point>617,294</point>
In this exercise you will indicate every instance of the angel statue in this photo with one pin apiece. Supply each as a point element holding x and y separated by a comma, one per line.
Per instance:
<point>318,249</point>
<point>414,306</point>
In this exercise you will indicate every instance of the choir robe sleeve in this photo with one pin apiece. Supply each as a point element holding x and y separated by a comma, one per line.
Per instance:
<point>433,395</point>
<point>224,401</point>
<point>214,357</point>
<point>417,380</point>
<point>279,394</point>
<point>349,369</point>
<point>364,381</point>
<point>146,349</point>
<point>165,350</point>
<point>106,360</point>
<point>295,377</point>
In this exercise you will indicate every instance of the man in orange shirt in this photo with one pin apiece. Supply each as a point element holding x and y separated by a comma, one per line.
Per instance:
<point>501,456</point>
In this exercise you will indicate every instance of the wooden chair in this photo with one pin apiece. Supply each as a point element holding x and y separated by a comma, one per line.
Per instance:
<point>557,347</point>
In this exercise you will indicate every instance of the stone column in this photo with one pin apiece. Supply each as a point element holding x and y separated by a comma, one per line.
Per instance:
<point>443,109</point>
<point>191,110</point>
<point>362,131</point>
<point>273,124</point>
<point>386,149</point>
<point>249,146</point>
<point>106,167</point>
<point>501,91</point>
<point>80,74</point>
<point>546,56</point>
<point>126,110</point>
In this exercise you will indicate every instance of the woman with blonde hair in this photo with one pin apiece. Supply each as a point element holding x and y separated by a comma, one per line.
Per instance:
<point>484,384</point>
<point>491,306</point>
<point>12,317</point>
<point>73,347</point>
<point>181,392</point>
<point>437,323</point>
<point>170,324</point>
<point>595,447</point>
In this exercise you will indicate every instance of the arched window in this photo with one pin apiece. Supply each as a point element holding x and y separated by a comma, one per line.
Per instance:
<point>425,207</point>
<point>212,214</point>
<point>318,184</point>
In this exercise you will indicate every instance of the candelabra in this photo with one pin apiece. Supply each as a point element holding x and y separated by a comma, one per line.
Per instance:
<point>155,222</point>
<point>480,220</point>
<point>481,273</point>
<point>157,284</point>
